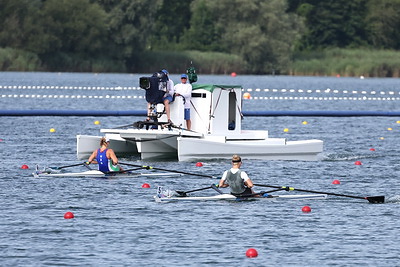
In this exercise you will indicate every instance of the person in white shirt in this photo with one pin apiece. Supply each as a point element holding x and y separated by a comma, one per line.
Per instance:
<point>184,89</point>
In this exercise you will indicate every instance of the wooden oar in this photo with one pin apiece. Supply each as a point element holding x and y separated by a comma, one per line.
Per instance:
<point>160,169</point>
<point>67,166</point>
<point>376,199</point>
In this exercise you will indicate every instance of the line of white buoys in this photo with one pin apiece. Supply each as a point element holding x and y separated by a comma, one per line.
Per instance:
<point>120,88</point>
<point>52,87</point>
<point>318,91</point>
<point>364,98</point>
<point>72,96</point>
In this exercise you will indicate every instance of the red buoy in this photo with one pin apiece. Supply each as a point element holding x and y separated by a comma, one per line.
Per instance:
<point>336,182</point>
<point>145,185</point>
<point>199,164</point>
<point>358,162</point>
<point>68,215</point>
<point>24,167</point>
<point>372,149</point>
<point>306,209</point>
<point>233,74</point>
<point>251,253</point>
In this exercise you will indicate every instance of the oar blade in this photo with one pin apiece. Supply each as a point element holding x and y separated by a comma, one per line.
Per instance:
<point>376,200</point>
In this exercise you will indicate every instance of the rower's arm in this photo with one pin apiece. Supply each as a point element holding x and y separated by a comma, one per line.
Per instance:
<point>113,157</point>
<point>249,183</point>
<point>93,156</point>
<point>222,180</point>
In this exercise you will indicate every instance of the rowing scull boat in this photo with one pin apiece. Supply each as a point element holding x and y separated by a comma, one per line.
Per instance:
<point>163,198</point>
<point>99,174</point>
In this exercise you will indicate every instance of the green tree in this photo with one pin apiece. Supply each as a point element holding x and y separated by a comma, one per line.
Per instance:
<point>15,20</point>
<point>339,23</point>
<point>70,26</point>
<point>202,34</point>
<point>130,25</point>
<point>261,32</point>
<point>384,24</point>
<point>172,20</point>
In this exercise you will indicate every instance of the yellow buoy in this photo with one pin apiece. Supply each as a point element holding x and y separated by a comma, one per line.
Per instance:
<point>382,138</point>
<point>397,121</point>
<point>52,130</point>
<point>389,129</point>
<point>304,122</point>
<point>97,122</point>
<point>286,130</point>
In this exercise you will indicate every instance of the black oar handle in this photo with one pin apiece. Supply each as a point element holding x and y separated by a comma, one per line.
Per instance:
<point>123,171</point>
<point>213,186</point>
<point>288,188</point>
<point>67,166</point>
<point>200,189</point>
<point>260,193</point>
<point>160,169</point>
<point>194,190</point>
<point>377,199</point>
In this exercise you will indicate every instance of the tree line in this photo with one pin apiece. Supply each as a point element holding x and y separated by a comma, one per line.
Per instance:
<point>257,37</point>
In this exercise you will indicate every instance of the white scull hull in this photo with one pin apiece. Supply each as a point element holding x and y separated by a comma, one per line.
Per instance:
<point>99,174</point>
<point>161,198</point>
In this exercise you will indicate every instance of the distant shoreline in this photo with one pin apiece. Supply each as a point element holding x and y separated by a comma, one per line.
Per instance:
<point>329,62</point>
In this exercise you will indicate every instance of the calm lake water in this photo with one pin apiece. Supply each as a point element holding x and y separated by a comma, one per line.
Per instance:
<point>117,222</point>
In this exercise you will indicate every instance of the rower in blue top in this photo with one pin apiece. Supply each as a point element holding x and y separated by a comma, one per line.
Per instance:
<point>105,157</point>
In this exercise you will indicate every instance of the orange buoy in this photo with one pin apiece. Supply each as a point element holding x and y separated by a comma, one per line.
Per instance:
<point>306,209</point>
<point>233,74</point>
<point>68,215</point>
<point>251,253</point>
<point>246,96</point>
<point>145,185</point>
<point>24,167</point>
<point>199,164</point>
<point>336,182</point>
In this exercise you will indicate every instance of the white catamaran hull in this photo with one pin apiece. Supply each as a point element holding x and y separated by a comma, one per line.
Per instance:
<point>161,198</point>
<point>190,149</point>
<point>216,132</point>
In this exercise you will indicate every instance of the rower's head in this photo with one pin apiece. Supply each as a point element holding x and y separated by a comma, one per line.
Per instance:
<point>236,160</point>
<point>104,141</point>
